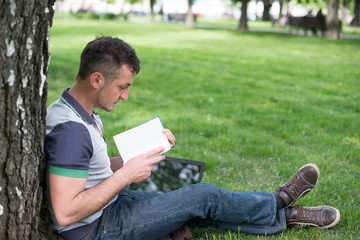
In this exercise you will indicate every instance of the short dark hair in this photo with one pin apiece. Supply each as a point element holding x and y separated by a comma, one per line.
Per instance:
<point>106,55</point>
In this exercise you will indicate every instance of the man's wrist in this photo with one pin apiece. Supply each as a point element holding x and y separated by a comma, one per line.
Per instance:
<point>123,177</point>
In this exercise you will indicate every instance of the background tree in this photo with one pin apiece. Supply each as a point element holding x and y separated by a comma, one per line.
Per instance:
<point>356,13</point>
<point>281,6</point>
<point>266,12</point>
<point>189,21</point>
<point>332,20</point>
<point>152,3</point>
<point>243,18</point>
<point>24,53</point>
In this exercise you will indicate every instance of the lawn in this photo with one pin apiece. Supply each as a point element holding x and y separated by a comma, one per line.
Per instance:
<point>254,106</point>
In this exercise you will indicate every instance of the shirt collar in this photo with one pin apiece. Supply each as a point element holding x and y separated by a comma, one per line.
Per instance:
<point>72,103</point>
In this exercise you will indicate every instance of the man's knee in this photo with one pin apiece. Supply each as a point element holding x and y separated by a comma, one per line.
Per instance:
<point>204,191</point>
<point>208,186</point>
<point>203,187</point>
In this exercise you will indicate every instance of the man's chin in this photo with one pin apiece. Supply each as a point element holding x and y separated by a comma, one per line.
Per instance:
<point>107,109</point>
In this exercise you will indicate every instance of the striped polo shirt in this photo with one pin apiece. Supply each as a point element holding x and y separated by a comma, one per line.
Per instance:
<point>75,147</point>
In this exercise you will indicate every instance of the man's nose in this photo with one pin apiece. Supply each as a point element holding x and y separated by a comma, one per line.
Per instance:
<point>124,95</point>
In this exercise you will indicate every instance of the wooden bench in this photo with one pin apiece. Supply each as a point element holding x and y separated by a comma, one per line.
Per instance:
<point>308,23</point>
<point>179,17</point>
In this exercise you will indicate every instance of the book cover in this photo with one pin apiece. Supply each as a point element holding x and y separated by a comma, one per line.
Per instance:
<point>141,139</point>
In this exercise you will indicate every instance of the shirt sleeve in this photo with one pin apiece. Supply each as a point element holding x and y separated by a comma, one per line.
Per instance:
<point>69,149</point>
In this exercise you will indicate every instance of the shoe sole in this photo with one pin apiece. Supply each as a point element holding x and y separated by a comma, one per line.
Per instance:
<point>306,191</point>
<point>300,224</point>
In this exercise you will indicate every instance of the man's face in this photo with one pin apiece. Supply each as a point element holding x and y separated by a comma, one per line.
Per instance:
<point>111,93</point>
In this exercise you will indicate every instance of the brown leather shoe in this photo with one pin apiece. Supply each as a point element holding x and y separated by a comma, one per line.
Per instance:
<point>300,184</point>
<point>321,217</point>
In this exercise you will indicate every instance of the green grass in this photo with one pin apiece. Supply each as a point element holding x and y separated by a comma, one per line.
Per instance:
<point>254,106</point>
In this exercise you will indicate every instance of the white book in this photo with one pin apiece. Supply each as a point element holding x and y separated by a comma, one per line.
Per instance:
<point>141,139</point>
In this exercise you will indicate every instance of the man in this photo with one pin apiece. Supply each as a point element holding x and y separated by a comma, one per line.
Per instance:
<point>86,188</point>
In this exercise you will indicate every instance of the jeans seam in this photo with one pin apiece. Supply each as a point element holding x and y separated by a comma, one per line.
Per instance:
<point>273,210</point>
<point>106,219</point>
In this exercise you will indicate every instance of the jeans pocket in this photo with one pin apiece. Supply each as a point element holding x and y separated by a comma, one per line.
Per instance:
<point>111,221</point>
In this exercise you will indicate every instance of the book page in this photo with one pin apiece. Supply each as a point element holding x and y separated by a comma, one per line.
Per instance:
<point>141,139</point>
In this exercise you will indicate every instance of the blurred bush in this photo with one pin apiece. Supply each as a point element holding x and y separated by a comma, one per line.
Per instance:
<point>110,16</point>
<point>107,16</point>
<point>86,15</point>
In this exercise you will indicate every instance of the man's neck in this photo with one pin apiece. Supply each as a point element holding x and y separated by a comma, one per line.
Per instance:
<point>83,95</point>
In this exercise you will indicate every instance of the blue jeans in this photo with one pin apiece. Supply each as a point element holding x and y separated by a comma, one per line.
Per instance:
<point>143,215</point>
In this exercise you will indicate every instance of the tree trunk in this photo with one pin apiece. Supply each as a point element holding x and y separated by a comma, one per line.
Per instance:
<point>356,13</point>
<point>332,20</point>
<point>24,43</point>
<point>281,3</point>
<point>152,2</point>
<point>266,13</point>
<point>243,18</point>
<point>190,16</point>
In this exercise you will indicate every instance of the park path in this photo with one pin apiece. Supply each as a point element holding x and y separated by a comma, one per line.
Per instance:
<point>275,29</point>
<point>299,32</point>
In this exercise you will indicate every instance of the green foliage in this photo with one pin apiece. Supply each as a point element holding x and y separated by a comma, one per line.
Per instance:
<point>106,16</point>
<point>88,15</point>
<point>109,16</point>
<point>133,1</point>
<point>255,106</point>
<point>235,2</point>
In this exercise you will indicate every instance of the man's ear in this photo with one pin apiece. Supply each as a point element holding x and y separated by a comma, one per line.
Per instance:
<point>97,80</point>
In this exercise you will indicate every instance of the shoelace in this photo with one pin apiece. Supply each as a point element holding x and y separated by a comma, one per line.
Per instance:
<point>307,215</point>
<point>296,184</point>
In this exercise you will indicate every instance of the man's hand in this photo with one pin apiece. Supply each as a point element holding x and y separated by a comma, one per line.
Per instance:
<point>139,168</point>
<point>170,136</point>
